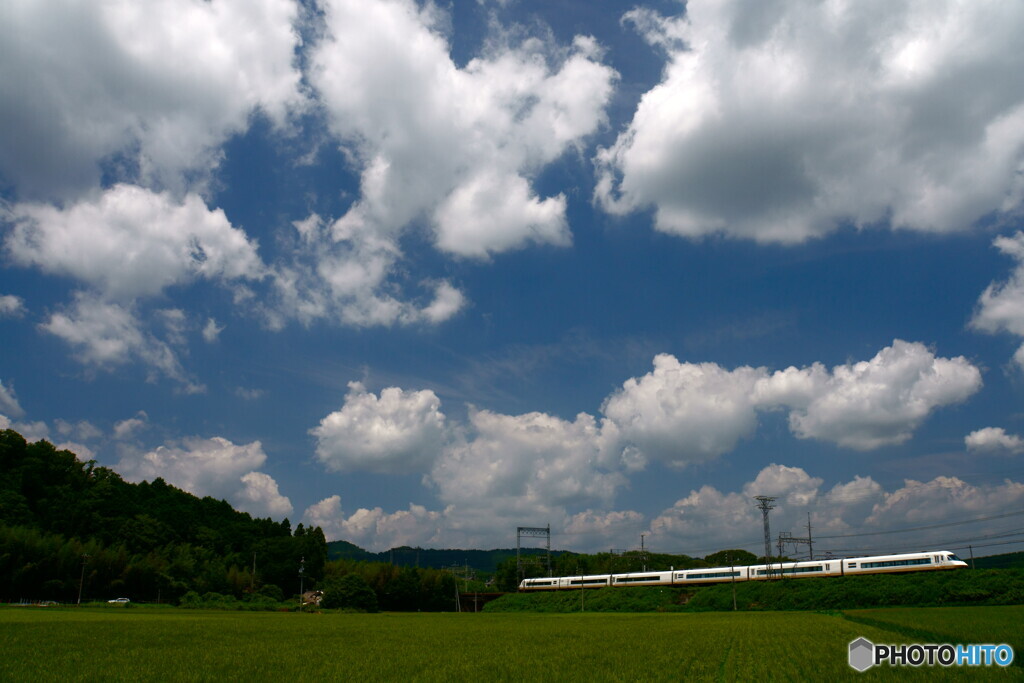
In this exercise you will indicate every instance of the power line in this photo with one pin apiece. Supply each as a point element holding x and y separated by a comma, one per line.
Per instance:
<point>930,526</point>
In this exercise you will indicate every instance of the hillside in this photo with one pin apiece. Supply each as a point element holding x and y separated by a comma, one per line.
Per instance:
<point>62,520</point>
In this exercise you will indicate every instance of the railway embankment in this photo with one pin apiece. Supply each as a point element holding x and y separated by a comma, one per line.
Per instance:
<point>925,589</point>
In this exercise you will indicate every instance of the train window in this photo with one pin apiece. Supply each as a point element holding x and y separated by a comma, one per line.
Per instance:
<point>955,558</point>
<point>897,563</point>
<point>714,575</point>
<point>852,565</point>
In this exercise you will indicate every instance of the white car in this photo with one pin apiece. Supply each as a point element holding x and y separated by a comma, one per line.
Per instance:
<point>118,601</point>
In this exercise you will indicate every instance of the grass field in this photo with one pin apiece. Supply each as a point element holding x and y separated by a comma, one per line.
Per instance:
<point>168,644</point>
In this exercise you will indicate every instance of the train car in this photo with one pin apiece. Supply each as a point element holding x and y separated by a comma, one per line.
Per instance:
<point>907,562</point>
<point>642,579</point>
<point>877,564</point>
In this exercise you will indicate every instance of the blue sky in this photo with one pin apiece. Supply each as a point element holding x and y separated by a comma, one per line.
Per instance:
<point>422,273</point>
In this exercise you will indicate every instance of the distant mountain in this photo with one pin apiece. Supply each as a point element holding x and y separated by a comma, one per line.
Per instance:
<point>404,556</point>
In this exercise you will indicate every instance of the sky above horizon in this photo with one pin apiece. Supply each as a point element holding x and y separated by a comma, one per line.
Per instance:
<point>420,273</point>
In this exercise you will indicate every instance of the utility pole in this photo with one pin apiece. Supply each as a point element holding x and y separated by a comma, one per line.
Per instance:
<point>972,556</point>
<point>581,588</point>
<point>302,576</point>
<point>765,504</point>
<point>643,554</point>
<point>732,573</point>
<point>810,540</point>
<point>81,580</point>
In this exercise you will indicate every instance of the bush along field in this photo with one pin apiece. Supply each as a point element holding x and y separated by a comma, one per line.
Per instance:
<point>964,587</point>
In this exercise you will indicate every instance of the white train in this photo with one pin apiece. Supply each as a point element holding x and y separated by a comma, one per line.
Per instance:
<point>878,564</point>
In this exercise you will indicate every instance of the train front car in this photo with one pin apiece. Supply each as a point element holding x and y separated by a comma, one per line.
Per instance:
<point>905,562</point>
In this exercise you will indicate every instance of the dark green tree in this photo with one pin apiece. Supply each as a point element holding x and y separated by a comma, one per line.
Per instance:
<point>350,592</point>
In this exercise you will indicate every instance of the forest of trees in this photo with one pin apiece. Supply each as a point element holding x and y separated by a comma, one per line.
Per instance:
<point>65,523</point>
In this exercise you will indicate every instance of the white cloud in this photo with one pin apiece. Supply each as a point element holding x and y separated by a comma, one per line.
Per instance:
<point>944,498</point>
<point>32,431</point>
<point>532,464</point>
<point>9,402</point>
<point>1001,306</point>
<point>872,403</point>
<point>11,306</point>
<point>82,430</point>
<point>598,529</point>
<point>376,530</point>
<point>437,141</point>
<point>82,452</point>
<point>126,429</point>
<point>685,412</point>
<point>131,242</point>
<point>150,91</point>
<point>211,467</point>
<point>106,335</point>
<point>782,121</point>
<point>339,271</point>
<point>211,331</point>
<point>681,413</point>
<point>249,394</point>
<point>791,485</point>
<point>260,497</point>
<point>396,433</point>
<point>993,440</point>
<point>708,519</point>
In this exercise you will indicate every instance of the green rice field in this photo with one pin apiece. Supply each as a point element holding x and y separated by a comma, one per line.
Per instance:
<point>41,644</point>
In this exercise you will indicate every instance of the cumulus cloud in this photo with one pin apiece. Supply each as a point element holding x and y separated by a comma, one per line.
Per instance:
<point>872,403</point>
<point>527,464</point>
<point>450,149</point>
<point>993,440</point>
<point>127,429</point>
<point>82,430</point>
<point>105,335</point>
<point>376,530</point>
<point>595,528</point>
<point>211,467</point>
<point>260,497</point>
<point>942,498</point>
<point>781,122</point>
<point>395,433</point>
<point>9,402</point>
<point>685,412</point>
<point>211,331</point>
<point>860,506</point>
<point>455,146</point>
<point>339,271</point>
<point>1001,306</point>
<point>11,306</point>
<point>130,91</point>
<point>32,431</point>
<point>131,242</point>
<point>682,413</point>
